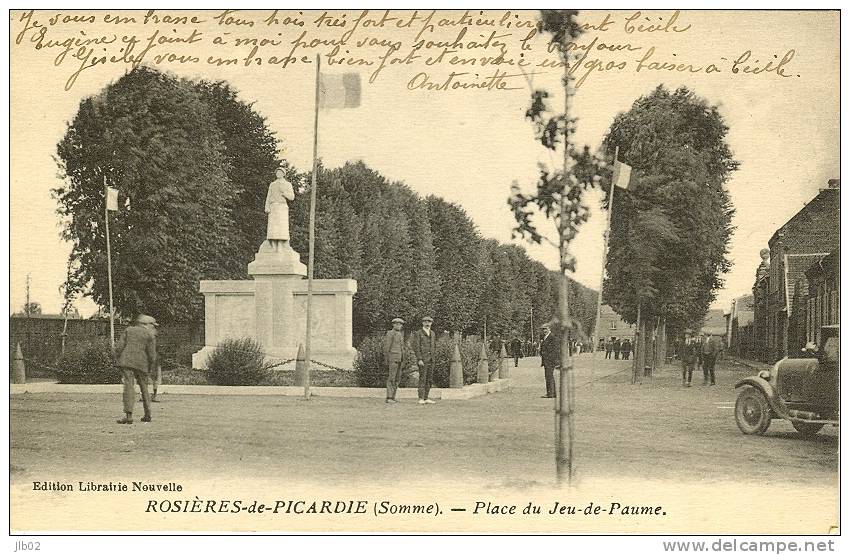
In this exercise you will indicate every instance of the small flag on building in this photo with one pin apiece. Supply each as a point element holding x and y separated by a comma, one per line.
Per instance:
<point>339,90</point>
<point>623,176</point>
<point>111,198</point>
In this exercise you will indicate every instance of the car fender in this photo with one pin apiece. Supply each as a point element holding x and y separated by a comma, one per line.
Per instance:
<point>764,386</point>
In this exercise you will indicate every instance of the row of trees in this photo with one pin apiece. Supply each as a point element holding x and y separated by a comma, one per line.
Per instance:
<point>413,256</point>
<point>192,164</point>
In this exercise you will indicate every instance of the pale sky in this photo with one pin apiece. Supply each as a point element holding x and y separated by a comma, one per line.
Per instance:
<point>467,146</point>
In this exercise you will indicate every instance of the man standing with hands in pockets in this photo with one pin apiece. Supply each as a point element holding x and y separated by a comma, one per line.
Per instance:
<point>424,345</point>
<point>393,349</point>
<point>550,358</point>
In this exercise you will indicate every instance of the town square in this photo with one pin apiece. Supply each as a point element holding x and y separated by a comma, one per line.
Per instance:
<point>425,271</point>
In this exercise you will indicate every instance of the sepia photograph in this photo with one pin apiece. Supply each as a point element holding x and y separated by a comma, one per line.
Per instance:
<point>432,271</point>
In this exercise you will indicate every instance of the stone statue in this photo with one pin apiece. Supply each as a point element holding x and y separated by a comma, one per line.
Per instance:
<point>280,191</point>
<point>764,266</point>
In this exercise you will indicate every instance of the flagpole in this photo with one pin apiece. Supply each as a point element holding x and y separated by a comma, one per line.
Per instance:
<point>604,263</point>
<point>108,262</point>
<point>307,354</point>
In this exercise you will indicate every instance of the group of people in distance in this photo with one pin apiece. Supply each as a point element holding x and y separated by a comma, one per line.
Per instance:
<point>696,352</point>
<point>619,348</point>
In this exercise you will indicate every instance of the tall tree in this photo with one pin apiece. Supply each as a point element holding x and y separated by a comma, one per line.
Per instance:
<point>251,156</point>
<point>152,137</point>
<point>670,238</point>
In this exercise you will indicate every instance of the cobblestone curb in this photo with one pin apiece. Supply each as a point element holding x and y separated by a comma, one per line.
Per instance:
<point>464,393</point>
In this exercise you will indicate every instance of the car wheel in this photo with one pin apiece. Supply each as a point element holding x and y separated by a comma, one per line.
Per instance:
<point>806,429</point>
<point>752,412</point>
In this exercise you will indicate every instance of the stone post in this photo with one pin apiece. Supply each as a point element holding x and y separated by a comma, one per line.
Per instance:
<point>300,366</point>
<point>483,365</point>
<point>19,374</point>
<point>455,368</point>
<point>504,366</point>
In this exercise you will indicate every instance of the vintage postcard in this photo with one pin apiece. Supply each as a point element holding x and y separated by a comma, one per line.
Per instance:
<point>335,271</point>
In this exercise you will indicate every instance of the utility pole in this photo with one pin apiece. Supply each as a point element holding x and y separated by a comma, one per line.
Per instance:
<point>27,310</point>
<point>27,305</point>
<point>109,263</point>
<point>606,236</point>
<point>312,236</point>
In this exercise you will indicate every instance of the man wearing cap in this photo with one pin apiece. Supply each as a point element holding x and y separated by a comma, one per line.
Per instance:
<point>550,358</point>
<point>135,352</point>
<point>393,349</point>
<point>155,378</point>
<point>710,349</point>
<point>424,344</point>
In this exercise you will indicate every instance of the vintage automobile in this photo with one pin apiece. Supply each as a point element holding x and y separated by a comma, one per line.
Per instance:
<point>804,391</point>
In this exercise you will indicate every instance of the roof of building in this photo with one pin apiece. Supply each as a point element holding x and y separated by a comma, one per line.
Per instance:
<point>46,316</point>
<point>744,317</point>
<point>828,198</point>
<point>714,323</point>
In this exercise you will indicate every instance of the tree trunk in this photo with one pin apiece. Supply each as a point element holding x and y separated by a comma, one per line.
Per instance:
<point>661,355</point>
<point>563,413</point>
<point>642,356</point>
<point>636,364</point>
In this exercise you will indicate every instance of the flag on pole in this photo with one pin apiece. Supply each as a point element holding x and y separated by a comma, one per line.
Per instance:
<point>111,199</point>
<point>339,90</point>
<point>623,176</point>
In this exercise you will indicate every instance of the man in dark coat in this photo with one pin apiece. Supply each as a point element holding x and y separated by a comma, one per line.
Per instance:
<point>135,352</point>
<point>424,345</point>
<point>626,348</point>
<point>689,355</point>
<point>550,358</point>
<point>616,348</point>
<point>710,349</point>
<point>516,350</point>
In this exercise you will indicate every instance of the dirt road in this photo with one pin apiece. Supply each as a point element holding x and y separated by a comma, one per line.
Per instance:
<point>656,430</point>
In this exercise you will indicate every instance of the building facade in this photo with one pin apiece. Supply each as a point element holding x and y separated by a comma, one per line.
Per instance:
<point>611,325</point>
<point>808,237</point>
<point>822,302</point>
<point>740,328</point>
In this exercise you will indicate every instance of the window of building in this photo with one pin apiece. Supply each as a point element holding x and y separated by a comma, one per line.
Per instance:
<point>810,319</point>
<point>613,325</point>
<point>833,295</point>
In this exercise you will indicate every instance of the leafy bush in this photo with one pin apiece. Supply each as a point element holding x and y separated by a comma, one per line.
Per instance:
<point>89,363</point>
<point>470,352</point>
<point>237,362</point>
<point>177,374</point>
<point>177,357</point>
<point>369,364</point>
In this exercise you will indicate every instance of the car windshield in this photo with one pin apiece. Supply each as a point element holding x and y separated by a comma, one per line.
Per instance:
<point>830,350</point>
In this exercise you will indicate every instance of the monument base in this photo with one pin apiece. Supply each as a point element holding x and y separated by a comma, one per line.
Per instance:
<point>277,259</point>
<point>271,308</point>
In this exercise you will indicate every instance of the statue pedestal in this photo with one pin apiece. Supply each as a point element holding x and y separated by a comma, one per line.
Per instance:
<point>272,309</point>
<point>283,261</point>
